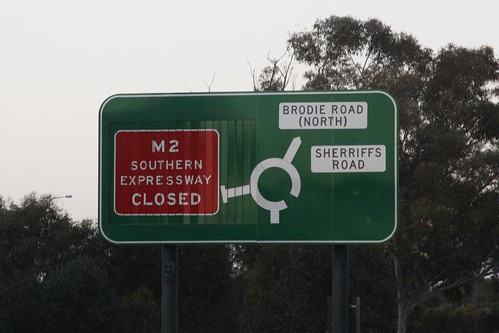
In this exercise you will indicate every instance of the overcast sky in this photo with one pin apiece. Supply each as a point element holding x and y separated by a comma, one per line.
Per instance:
<point>60,59</point>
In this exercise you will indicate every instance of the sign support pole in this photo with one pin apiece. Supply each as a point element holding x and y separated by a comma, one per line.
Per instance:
<point>340,289</point>
<point>169,288</point>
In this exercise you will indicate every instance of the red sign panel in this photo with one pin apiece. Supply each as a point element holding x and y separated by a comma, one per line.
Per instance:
<point>166,172</point>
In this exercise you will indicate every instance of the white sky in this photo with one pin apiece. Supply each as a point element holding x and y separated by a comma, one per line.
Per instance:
<point>59,60</point>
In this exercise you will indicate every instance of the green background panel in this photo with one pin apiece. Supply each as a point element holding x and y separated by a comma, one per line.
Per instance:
<point>330,208</point>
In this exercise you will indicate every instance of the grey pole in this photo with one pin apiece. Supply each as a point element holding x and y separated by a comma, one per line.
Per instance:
<point>340,293</point>
<point>169,288</point>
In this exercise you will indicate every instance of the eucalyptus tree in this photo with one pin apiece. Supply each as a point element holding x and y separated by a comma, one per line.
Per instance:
<point>49,282</point>
<point>449,148</point>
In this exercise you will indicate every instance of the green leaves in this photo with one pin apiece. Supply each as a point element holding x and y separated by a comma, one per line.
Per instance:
<point>346,53</point>
<point>287,289</point>
<point>449,133</point>
<point>47,282</point>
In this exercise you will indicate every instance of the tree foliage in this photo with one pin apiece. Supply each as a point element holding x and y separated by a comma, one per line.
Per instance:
<point>57,275</point>
<point>207,293</point>
<point>47,281</point>
<point>345,53</point>
<point>478,313</point>
<point>287,290</point>
<point>277,76</point>
<point>449,179</point>
<point>449,153</point>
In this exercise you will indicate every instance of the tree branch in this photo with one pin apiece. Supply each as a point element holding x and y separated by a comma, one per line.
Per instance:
<point>211,83</point>
<point>253,75</point>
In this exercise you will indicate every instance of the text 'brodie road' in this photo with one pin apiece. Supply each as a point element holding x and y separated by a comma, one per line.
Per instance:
<point>325,115</point>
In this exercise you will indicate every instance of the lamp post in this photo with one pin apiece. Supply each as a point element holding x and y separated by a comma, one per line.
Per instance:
<point>52,199</point>
<point>67,196</point>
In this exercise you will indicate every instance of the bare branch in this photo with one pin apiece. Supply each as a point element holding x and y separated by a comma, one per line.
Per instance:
<point>253,75</point>
<point>186,87</point>
<point>211,83</point>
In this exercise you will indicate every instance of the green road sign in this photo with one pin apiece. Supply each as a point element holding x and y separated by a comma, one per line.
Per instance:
<point>288,167</point>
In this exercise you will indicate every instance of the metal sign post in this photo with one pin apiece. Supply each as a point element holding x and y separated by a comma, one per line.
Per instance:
<point>169,289</point>
<point>340,288</point>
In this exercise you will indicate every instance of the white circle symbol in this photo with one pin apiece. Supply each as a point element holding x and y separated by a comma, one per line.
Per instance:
<point>284,163</point>
<point>274,206</point>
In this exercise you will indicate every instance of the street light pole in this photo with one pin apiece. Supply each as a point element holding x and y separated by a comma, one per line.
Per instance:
<point>67,196</point>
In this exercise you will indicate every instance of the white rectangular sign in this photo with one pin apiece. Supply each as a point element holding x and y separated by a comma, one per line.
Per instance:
<point>323,115</point>
<point>335,159</point>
